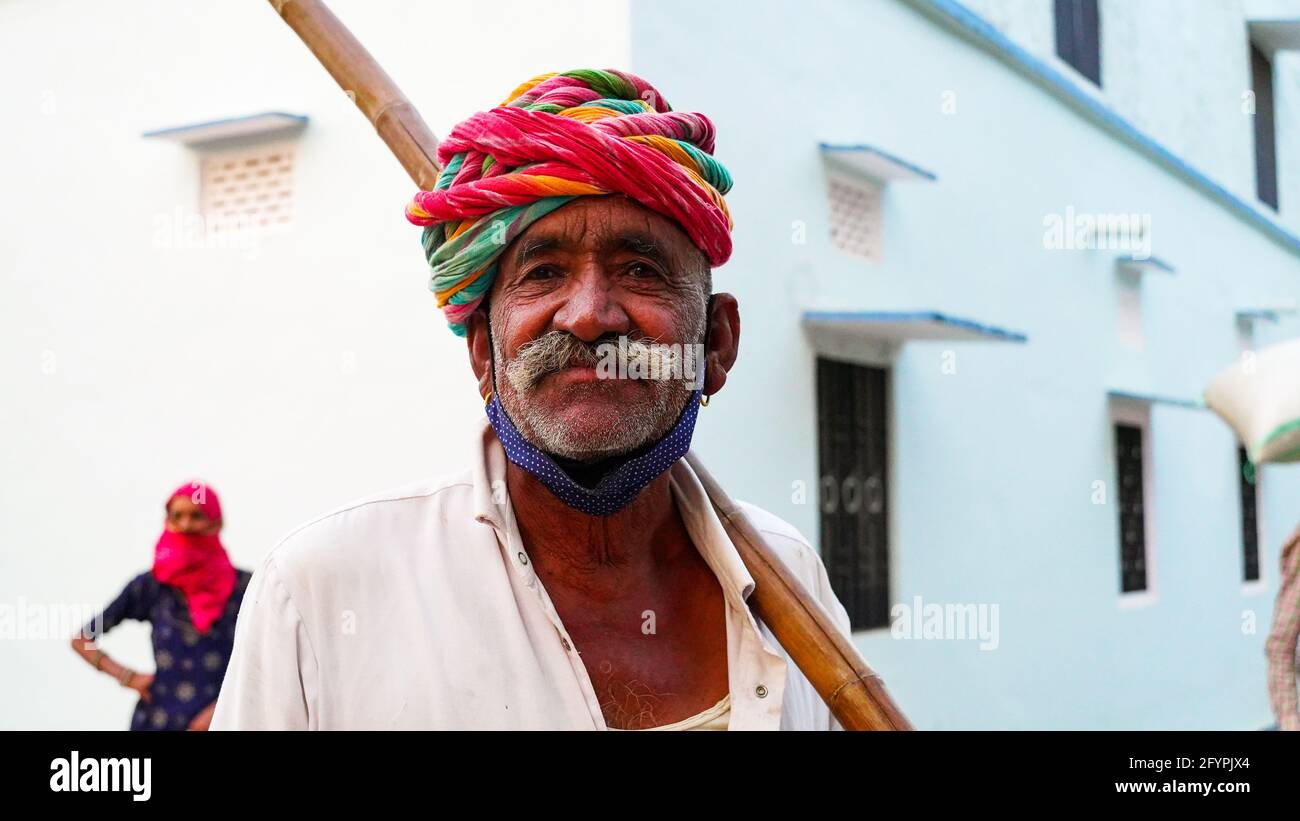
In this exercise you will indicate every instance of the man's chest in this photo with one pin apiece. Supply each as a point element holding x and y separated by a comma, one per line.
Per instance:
<point>651,662</point>
<point>493,646</point>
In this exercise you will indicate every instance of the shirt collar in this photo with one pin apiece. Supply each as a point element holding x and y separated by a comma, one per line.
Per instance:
<point>709,536</point>
<point>492,506</point>
<point>490,497</point>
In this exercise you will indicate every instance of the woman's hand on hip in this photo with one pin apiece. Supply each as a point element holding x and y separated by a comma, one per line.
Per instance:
<point>141,682</point>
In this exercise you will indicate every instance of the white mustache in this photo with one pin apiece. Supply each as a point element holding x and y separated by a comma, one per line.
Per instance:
<point>557,350</point>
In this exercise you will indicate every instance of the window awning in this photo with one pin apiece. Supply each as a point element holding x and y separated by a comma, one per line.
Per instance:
<point>876,337</point>
<point>1143,265</point>
<point>1154,399</point>
<point>266,125</point>
<point>874,163</point>
<point>1272,36</point>
<point>1259,315</point>
<point>907,326</point>
<point>1267,313</point>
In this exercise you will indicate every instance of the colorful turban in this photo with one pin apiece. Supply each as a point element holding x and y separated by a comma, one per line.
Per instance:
<point>556,137</point>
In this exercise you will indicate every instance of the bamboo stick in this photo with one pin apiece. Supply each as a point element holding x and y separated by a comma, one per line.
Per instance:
<point>398,123</point>
<point>855,693</point>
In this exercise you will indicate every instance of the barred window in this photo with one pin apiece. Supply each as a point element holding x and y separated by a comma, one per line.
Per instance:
<point>1248,488</point>
<point>853,494</point>
<point>1130,465</point>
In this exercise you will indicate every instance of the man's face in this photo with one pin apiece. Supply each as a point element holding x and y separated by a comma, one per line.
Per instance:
<point>592,271</point>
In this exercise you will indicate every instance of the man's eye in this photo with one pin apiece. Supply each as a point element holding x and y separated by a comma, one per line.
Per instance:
<point>641,270</point>
<point>542,272</point>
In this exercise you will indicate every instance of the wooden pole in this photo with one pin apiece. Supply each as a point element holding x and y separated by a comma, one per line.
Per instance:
<point>855,694</point>
<point>398,123</point>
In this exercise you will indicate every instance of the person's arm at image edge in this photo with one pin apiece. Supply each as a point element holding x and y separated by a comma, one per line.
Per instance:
<point>1282,638</point>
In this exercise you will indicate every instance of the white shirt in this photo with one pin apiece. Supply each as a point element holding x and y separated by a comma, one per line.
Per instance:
<point>419,609</point>
<point>717,717</point>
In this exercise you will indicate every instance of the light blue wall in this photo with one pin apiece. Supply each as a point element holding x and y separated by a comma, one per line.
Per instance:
<point>993,467</point>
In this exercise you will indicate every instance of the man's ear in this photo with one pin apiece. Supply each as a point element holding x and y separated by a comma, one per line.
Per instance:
<point>479,343</point>
<point>724,342</point>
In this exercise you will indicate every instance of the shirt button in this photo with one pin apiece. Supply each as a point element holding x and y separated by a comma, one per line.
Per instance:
<point>522,558</point>
<point>761,691</point>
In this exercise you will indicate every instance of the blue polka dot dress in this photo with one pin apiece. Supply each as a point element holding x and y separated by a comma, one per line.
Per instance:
<point>189,665</point>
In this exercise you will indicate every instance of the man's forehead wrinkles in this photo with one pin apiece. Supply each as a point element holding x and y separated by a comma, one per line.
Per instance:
<point>562,234</point>
<point>637,241</point>
<point>606,228</point>
<point>609,239</point>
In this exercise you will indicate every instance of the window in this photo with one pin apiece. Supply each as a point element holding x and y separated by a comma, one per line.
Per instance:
<point>1129,310</point>
<point>852,438</point>
<point>1078,41</point>
<point>1246,480</point>
<point>855,216</point>
<point>1130,469</point>
<point>1261,75</point>
<point>248,188</point>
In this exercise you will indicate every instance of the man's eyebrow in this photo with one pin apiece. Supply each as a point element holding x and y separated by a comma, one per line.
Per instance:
<point>641,244</point>
<point>533,246</point>
<point>644,244</point>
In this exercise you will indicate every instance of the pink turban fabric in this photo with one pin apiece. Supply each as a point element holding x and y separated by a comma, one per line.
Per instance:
<point>559,136</point>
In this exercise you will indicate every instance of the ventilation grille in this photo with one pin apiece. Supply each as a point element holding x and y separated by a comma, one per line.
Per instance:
<point>248,188</point>
<point>855,217</point>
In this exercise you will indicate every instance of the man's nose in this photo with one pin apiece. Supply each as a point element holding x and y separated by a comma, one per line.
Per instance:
<point>591,308</point>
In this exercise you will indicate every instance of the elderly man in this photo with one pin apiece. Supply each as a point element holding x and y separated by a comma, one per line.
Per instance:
<point>576,577</point>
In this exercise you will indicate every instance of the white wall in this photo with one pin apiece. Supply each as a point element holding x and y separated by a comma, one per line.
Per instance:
<point>994,465</point>
<point>295,375</point>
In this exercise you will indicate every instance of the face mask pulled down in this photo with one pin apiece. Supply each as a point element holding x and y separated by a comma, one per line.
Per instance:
<point>621,478</point>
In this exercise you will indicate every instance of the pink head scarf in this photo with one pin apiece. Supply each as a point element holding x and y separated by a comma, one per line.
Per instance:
<point>196,563</point>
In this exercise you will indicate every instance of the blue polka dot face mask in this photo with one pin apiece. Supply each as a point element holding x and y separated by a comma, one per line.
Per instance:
<point>616,488</point>
<point>627,476</point>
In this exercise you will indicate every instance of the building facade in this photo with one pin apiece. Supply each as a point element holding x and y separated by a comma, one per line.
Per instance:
<point>995,252</point>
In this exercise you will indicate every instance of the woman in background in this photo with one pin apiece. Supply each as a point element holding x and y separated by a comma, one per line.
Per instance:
<point>191,598</point>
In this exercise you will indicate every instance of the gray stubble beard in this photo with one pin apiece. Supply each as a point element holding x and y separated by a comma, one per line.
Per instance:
<point>624,428</point>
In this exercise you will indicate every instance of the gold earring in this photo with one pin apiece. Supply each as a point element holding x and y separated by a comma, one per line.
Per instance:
<point>704,400</point>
